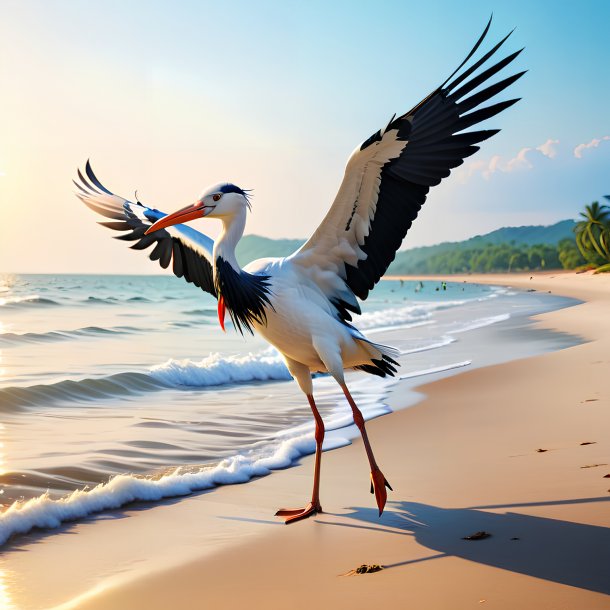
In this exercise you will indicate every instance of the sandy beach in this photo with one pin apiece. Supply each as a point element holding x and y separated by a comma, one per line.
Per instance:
<point>227,248</point>
<point>518,450</point>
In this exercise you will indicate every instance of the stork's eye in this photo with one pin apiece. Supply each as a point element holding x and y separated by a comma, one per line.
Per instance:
<point>216,197</point>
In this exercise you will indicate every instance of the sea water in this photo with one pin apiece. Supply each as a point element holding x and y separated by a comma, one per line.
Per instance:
<point>122,388</point>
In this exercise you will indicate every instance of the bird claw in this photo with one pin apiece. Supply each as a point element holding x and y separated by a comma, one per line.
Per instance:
<point>378,485</point>
<point>296,514</point>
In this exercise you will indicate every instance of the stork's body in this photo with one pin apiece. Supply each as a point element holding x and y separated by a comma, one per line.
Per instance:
<point>302,304</point>
<point>303,325</point>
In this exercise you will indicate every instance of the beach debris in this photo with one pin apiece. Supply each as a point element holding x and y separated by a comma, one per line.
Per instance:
<point>588,443</point>
<point>590,399</point>
<point>365,568</point>
<point>477,536</point>
<point>541,450</point>
<point>607,476</point>
<point>593,465</point>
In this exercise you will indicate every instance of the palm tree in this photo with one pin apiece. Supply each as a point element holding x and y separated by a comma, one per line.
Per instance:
<point>593,232</point>
<point>605,237</point>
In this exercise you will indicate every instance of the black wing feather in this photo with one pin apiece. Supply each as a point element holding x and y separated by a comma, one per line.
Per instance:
<point>434,147</point>
<point>187,261</point>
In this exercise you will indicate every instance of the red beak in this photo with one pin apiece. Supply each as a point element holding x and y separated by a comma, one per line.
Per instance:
<point>190,212</point>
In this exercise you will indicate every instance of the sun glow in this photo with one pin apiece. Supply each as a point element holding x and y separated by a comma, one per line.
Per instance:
<point>6,602</point>
<point>2,459</point>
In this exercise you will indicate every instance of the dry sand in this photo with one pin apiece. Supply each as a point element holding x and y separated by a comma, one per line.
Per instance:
<point>464,459</point>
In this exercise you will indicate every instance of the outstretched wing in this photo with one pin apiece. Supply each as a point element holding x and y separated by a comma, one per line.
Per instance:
<point>388,178</point>
<point>189,251</point>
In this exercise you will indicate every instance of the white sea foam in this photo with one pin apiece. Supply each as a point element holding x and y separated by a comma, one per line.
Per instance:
<point>438,369</point>
<point>32,299</point>
<point>45,512</point>
<point>218,370</point>
<point>444,341</point>
<point>397,316</point>
<point>481,322</point>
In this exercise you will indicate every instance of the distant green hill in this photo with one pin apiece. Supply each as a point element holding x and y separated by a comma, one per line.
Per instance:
<point>527,235</point>
<point>252,247</point>
<point>413,260</point>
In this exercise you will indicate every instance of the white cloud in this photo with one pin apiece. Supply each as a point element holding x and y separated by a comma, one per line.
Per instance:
<point>516,163</point>
<point>493,165</point>
<point>474,167</point>
<point>594,143</point>
<point>520,162</point>
<point>548,148</point>
<point>488,167</point>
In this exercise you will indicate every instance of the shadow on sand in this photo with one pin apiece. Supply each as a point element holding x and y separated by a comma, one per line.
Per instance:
<point>560,551</point>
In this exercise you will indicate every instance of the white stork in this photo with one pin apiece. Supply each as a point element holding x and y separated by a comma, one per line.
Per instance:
<point>301,304</point>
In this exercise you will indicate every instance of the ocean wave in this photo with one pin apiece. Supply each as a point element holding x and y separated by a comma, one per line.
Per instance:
<point>102,300</point>
<point>437,369</point>
<point>398,316</point>
<point>115,300</point>
<point>180,324</point>
<point>120,384</point>
<point>217,370</point>
<point>200,312</point>
<point>480,323</point>
<point>214,370</point>
<point>43,512</point>
<point>63,335</point>
<point>443,342</point>
<point>32,300</point>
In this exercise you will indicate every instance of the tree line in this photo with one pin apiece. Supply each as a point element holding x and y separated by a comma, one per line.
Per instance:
<point>500,257</point>
<point>590,248</point>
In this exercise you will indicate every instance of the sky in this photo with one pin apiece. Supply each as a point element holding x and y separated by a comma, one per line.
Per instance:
<point>167,98</point>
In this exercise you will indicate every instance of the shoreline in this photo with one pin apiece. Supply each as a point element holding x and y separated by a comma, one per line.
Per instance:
<point>432,456</point>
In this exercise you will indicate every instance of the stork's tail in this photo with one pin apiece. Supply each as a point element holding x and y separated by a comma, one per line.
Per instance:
<point>383,359</point>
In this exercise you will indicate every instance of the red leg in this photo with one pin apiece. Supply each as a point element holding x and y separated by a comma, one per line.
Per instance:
<point>295,514</point>
<point>378,481</point>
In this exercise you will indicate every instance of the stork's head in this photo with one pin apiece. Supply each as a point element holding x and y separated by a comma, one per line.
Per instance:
<point>225,201</point>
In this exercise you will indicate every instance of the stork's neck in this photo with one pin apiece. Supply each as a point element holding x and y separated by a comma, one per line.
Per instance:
<point>245,296</point>
<point>232,231</point>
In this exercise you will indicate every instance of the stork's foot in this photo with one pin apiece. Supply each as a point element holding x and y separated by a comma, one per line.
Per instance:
<point>296,514</point>
<point>378,485</point>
